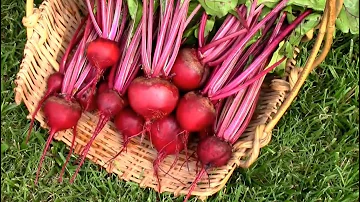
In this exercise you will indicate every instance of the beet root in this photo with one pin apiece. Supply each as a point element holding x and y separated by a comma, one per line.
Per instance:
<point>152,98</point>
<point>168,139</point>
<point>54,84</point>
<point>129,124</point>
<point>211,152</point>
<point>60,115</point>
<point>103,53</point>
<point>187,70</point>
<point>109,103</point>
<point>195,112</point>
<point>87,99</point>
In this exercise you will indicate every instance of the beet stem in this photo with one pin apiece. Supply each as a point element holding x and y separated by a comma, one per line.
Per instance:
<point>201,37</point>
<point>233,84</point>
<point>218,96</point>
<point>96,26</point>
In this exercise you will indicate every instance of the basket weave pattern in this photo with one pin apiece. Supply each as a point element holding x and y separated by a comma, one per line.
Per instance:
<point>50,28</point>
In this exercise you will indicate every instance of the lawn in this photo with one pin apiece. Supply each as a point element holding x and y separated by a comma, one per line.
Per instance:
<point>313,155</point>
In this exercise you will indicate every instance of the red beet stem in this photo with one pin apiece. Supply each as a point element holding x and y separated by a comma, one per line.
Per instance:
<point>269,50</point>
<point>74,40</point>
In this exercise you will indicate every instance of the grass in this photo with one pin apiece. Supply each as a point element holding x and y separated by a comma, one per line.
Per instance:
<point>313,155</point>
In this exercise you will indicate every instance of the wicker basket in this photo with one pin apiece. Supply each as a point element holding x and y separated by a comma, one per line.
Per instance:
<point>49,30</point>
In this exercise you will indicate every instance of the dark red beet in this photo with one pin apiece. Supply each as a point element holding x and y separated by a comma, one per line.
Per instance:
<point>214,152</point>
<point>103,53</point>
<point>187,70</point>
<point>60,115</point>
<point>54,84</point>
<point>103,87</point>
<point>205,132</point>
<point>152,98</point>
<point>168,139</point>
<point>109,103</point>
<point>205,76</point>
<point>129,124</point>
<point>87,100</point>
<point>195,112</point>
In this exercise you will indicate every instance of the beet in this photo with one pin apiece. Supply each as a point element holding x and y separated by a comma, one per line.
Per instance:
<point>129,124</point>
<point>195,112</point>
<point>54,84</point>
<point>168,139</point>
<point>60,114</point>
<point>187,70</point>
<point>87,99</point>
<point>109,103</point>
<point>213,152</point>
<point>152,98</point>
<point>103,53</point>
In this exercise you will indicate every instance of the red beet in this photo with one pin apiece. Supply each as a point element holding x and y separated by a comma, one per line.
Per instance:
<point>168,139</point>
<point>213,152</point>
<point>54,84</point>
<point>195,112</point>
<point>187,70</point>
<point>103,53</point>
<point>129,124</point>
<point>109,103</point>
<point>87,100</point>
<point>60,115</point>
<point>103,87</point>
<point>152,98</point>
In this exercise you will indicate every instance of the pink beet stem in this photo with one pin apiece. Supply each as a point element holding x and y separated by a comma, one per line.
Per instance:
<point>128,66</point>
<point>218,96</point>
<point>174,32</point>
<point>226,38</point>
<point>201,37</point>
<point>144,54</point>
<point>90,10</point>
<point>192,14</point>
<point>230,62</point>
<point>246,121</point>
<point>38,107</point>
<point>162,33</point>
<point>74,40</point>
<point>269,50</point>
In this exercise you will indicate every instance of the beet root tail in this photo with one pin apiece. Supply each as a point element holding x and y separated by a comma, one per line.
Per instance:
<point>69,155</point>
<point>193,185</point>
<point>161,156</point>
<point>101,123</point>
<point>126,142</point>
<point>46,148</point>
<point>38,107</point>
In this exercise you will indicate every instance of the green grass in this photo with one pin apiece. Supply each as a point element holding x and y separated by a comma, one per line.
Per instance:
<point>313,155</point>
